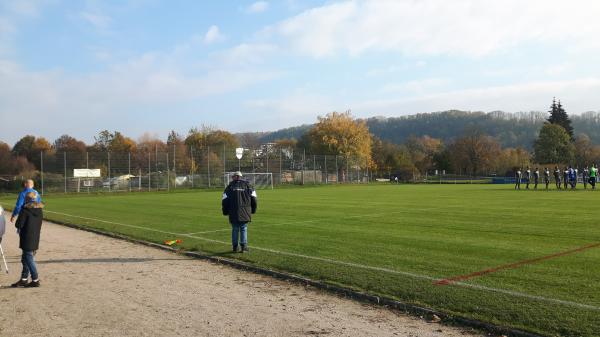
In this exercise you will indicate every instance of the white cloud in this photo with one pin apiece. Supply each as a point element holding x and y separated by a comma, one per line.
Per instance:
<point>99,21</point>
<point>438,27</point>
<point>258,7</point>
<point>303,106</point>
<point>29,8</point>
<point>12,15</point>
<point>395,68</point>
<point>416,86</point>
<point>213,35</point>
<point>298,107</point>
<point>115,98</point>
<point>246,53</point>
<point>578,95</point>
<point>558,69</point>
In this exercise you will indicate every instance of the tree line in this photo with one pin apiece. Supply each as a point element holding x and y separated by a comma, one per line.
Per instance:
<point>474,151</point>
<point>509,129</point>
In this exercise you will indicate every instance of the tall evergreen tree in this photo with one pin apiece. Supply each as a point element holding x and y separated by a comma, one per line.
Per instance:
<point>559,116</point>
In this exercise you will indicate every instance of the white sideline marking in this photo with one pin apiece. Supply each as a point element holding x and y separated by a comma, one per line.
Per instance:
<point>362,266</point>
<point>116,223</point>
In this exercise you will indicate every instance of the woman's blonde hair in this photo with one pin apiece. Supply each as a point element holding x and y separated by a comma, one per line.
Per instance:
<point>31,200</point>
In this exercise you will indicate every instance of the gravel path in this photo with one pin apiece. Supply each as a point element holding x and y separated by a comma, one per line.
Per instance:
<point>98,286</point>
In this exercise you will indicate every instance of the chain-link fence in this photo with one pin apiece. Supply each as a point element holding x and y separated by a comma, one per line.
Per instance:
<point>184,167</point>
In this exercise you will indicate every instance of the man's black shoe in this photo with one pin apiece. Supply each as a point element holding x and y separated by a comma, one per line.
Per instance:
<point>19,283</point>
<point>234,249</point>
<point>33,284</point>
<point>245,249</point>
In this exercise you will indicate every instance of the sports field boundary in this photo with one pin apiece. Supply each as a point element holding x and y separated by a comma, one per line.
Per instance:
<point>356,265</point>
<point>383,301</point>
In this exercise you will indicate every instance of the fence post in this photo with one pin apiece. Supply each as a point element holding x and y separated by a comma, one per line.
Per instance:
<point>65,167</point>
<point>224,166</point>
<point>326,173</point>
<point>109,188</point>
<point>149,173</point>
<point>268,171</point>
<point>303,163</point>
<point>280,165</point>
<point>87,165</point>
<point>314,169</point>
<point>174,167</point>
<point>193,166</point>
<point>337,172</point>
<point>42,170</point>
<point>168,174</point>
<point>208,163</point>
<point>347,169</point>
<point>129,169</point>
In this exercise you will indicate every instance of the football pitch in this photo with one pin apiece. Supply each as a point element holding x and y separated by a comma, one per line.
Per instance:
<point>523,259</point>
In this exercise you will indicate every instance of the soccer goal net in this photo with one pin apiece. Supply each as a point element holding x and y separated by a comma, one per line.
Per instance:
<point>257,180</point>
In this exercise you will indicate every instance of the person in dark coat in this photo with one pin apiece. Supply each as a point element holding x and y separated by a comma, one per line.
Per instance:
<point>29,225</point>
<point>239,203</point>
<point>546,177</point>
<point>585,176</point>
<point>557,177</point>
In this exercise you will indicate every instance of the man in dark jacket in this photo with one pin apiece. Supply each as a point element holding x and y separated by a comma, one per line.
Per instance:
<point>239,203</point>
<point>29,225</point>
<point>557,177</point>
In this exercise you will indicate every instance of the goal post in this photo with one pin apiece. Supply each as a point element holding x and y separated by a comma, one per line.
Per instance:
<point>257,180</point>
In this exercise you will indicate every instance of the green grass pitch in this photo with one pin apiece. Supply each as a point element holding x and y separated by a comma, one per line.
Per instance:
<point>396,241</point>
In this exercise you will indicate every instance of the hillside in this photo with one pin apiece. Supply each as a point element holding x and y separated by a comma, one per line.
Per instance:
<point>510,129</point>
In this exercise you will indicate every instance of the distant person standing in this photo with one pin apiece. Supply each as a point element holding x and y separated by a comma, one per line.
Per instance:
<point>572,177</point>
<point>593,176</point>
<point>518,176</point>
<point>27,188</point>
<point>528,177</point>
<point>557,177</point>
<point>575,176</point>
<point>29,225</point>
<point>566,178</point>
<point>585,176</point>
<point>546,177</point>
<point>239,203</point>
<point>536,178</point>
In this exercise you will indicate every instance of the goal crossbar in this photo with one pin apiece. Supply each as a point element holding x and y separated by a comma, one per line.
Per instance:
<point>263,180</point>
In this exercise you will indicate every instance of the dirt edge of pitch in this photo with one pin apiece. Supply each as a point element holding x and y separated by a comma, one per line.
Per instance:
<point>415,310</point>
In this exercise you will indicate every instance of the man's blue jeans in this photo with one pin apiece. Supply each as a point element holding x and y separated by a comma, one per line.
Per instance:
<point>28,266</point>
<point>239,231</point>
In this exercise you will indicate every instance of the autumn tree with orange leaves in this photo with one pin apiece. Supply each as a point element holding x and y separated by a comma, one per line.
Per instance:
<point>340,134</point>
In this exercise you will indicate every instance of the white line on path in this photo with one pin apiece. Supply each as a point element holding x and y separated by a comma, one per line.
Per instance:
<point>362,266</point>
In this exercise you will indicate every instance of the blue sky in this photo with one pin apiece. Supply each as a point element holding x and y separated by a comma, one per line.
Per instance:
<point>78,67</point>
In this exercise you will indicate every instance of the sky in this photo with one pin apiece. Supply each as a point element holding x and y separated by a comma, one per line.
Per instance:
<point>78,67</point>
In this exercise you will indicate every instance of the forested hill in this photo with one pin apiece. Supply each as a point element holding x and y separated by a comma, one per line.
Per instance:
<point>510,129</point>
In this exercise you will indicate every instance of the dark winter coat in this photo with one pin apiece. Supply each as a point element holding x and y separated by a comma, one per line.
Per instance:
<point>29,224</point>
<point>239,202</point>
